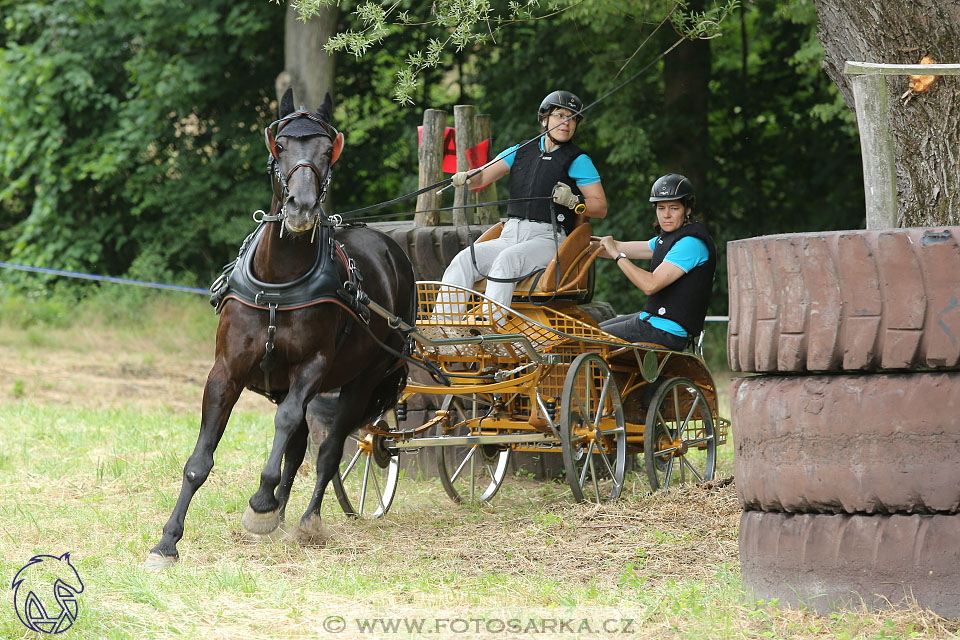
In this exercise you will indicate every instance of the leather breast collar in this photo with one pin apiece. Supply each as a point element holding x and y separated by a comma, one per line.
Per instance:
<point>318,285</point>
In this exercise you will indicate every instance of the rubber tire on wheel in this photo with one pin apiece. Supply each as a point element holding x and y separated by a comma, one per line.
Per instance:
<point>845,301</point>
<point>369,481</point>
<point>828,561</point>
<point>458,466</point>
<point>664,464</point>
<point>848,443</point>
<point>590,395</point>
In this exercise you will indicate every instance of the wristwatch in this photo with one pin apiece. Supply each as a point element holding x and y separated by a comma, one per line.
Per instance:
<point>619,255</point>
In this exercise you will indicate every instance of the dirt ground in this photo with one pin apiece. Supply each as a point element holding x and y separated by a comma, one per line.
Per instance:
<point>91,372</point>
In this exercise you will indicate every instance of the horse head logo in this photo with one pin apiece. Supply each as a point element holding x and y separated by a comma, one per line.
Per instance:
<point>45,594</point>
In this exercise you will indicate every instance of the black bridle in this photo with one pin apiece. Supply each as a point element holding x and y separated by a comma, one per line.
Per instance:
<point>281,188</point>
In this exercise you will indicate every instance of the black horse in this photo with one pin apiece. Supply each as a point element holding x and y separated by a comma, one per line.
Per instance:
<point>303,332</point>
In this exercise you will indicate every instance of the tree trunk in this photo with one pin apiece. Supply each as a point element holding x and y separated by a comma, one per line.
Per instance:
<point>307,67</point>
<point>926,128</point>
<point>682,146</point>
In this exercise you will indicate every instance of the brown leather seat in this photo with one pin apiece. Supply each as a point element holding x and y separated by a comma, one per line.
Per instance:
<point>567,274</point>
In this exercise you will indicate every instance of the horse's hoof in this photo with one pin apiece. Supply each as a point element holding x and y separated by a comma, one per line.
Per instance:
<point>260,523</point>
<point>313,531</point>
<point>158,562</point>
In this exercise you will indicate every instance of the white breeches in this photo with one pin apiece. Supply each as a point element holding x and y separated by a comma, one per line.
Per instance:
<point>523,246</point>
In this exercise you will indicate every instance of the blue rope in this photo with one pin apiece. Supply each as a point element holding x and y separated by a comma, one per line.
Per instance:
<point>90,276</point>
<point>173,287</point>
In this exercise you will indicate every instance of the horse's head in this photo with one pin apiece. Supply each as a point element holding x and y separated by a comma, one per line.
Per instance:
<point>303,146</point>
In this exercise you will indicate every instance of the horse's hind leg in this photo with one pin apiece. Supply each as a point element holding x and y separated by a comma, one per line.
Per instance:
<point>292,459</point>
<point>352,409</point>
<point>219,396</point>
<point>263,514</point>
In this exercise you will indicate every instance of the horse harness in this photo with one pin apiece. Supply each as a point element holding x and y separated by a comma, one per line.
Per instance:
<point>321,284</point>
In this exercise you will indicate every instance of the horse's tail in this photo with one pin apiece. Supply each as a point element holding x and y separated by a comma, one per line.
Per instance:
<point>387,391</point>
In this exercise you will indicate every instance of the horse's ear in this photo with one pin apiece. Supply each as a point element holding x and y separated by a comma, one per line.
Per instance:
<point>286,103</point>
<point>325,111</point>
<point>337,148</point>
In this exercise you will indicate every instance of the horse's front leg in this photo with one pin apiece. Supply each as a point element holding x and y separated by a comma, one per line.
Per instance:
<point>219,395</point>
<point>263,514</point>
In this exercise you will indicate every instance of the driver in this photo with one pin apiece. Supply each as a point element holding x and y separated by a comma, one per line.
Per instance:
<point>680,280</point>
<point>552,168</point>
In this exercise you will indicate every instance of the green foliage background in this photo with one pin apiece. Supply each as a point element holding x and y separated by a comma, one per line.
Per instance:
<point>130,130</point>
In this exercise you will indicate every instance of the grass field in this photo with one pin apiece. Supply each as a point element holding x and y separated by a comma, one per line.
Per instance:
<point>99,410</point>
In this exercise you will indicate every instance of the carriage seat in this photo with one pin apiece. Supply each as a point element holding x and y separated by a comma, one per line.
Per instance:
<point>572,265</point>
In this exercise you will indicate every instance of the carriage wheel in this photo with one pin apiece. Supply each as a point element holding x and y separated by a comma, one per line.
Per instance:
<point>470,473</point>
<point>367,482</point>
<point>592,431</point>
<point>678,439</point>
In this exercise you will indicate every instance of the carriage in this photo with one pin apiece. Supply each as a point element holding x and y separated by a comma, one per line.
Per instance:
<point>539,377</point>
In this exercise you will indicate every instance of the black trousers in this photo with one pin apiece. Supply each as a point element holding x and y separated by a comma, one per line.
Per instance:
<point>632,329</point>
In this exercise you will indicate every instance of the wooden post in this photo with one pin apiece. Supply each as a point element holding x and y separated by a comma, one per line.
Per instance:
<point>463,122</point>
<point>431,167</point>
<point>876,140</point>
<point>485,215</point>
<point>876,150</point>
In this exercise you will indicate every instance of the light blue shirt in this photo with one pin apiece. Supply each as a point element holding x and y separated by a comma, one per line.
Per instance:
<point>687,253</point>
<point>582,169</point>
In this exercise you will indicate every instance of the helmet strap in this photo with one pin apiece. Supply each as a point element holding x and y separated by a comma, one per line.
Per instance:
<point>547,130</point>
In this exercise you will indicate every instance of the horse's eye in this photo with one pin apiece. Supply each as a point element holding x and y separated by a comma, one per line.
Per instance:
<point>279,148</point>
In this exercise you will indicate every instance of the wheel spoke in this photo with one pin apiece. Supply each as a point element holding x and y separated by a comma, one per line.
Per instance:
<point>676,404</point>
<point>606,462</point>
<point>663,422</point>
<point>466,459</point>
<point>352,462</point>
<point>683,461</point>
<point>686,421</point>
<point>697,441</point>
<point>376,487</point>
<point>596,481</point>
<point>668,473</point>
<point>473,475</point>
<point>583,472</point>
<point>363,488</point>
<point>602,401</point>
<point>588,391</point>
<point>579,403</point>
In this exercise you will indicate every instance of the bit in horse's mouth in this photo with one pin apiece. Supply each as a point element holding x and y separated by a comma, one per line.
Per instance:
<point>295,230</point>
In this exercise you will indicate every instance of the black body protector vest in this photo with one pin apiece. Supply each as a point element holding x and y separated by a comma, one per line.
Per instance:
<point>534,174</point>
<point>684,301</point>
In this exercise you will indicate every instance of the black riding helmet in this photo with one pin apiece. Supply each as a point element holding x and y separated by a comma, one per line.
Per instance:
<point>673,186</point>
<point>562,99</point>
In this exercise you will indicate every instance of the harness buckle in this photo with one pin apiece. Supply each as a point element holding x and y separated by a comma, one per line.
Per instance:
<point>261,297</point>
